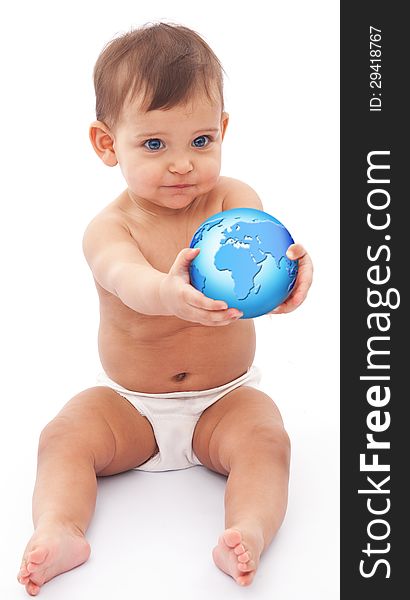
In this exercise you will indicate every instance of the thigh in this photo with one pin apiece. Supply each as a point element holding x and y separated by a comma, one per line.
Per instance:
<point>236,422</point>
<point>117,435</point>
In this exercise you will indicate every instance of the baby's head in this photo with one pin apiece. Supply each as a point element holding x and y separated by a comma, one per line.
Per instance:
<point>159,108</point>
<point>163,65</point>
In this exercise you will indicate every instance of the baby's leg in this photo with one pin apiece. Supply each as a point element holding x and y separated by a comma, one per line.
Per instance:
<point>242,436</point>
<point>97,433</point>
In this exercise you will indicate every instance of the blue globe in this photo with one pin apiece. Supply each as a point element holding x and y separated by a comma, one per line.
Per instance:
<point>243,260</point>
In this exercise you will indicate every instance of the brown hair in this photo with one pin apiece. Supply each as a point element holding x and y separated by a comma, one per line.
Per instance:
<point>166,63</point>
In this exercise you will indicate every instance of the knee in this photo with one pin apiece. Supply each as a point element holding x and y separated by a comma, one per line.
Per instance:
<point>59,433</point>
<point>272,439</point>
<point>52,431</point>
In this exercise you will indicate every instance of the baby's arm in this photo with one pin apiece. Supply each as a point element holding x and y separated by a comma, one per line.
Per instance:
<point>119,266</point>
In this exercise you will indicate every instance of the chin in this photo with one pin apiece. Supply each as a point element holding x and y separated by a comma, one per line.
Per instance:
<point>179,203</point>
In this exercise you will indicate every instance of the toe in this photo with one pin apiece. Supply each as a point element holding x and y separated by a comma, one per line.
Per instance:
<point>245,567</point>
<point>23,571</point>
<point>239,549</point>
<point>243,558</point>
<point>32,588</point>
<point>232,537</point>
<point>36,557</point>
<point>232,557</point>
<point>245,579</point>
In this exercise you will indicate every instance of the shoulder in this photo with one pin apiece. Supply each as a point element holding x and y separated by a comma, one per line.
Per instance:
<point>107,227</point>
<point>237,194</point>
<point>107,220</point>
<point>113,216</point>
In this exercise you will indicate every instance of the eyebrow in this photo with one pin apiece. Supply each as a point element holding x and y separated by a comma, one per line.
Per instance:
<point>149,134</point>
<point>160,133</point>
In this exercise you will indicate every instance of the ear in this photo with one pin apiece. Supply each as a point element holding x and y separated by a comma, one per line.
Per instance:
<point>224,123</point>
<point>103,143</point>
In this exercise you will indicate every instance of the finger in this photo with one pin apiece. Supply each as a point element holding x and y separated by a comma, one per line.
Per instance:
<point>291,303</point>
<point>296,252</point>
<point>215,318</point>
<point>305,263</point>
<point>281,309</point>
<point>303,280</point>
<point>196,299</point>
<point>304,276</point>
<point>296,297</point>
<point>183,260</point>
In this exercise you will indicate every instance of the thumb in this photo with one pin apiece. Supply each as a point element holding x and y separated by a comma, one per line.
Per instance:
<point>183,260</point>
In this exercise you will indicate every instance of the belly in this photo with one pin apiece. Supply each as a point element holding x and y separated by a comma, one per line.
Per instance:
<point>165,354</point>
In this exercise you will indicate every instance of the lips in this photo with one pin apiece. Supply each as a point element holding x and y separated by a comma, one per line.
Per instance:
<point>180,185</point>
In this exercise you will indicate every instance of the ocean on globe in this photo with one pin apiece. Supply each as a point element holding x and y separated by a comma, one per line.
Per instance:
<point>243,260</point>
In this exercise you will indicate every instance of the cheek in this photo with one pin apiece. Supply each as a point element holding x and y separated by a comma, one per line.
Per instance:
<point>141,173</point>
<point>211,167</point>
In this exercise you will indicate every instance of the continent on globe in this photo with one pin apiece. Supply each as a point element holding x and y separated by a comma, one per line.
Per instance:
<point>243,260</point>
<point>199,279</point>
<point>198,235</point>
<point>244,248</point>
<point>242,266</point>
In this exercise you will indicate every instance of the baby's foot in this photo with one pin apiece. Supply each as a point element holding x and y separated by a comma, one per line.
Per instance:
<point>53,549</point>
<point>238,555</point>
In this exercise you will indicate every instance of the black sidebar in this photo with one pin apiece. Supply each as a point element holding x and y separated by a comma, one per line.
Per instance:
<point>375,332</point>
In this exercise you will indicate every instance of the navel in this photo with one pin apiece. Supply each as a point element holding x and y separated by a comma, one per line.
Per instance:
<point>180,376</point>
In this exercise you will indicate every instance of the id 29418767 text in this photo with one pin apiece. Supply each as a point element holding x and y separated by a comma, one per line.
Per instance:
<point>375,64</point>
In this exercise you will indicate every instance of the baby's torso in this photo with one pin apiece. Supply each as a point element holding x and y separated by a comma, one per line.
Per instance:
<point>154,354</point>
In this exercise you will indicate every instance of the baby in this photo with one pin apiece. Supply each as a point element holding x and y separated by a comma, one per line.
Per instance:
<point>179,387</point>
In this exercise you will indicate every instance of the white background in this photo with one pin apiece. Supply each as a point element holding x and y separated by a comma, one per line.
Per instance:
<point>153,534</point>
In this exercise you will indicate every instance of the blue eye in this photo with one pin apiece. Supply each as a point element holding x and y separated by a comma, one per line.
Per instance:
<point>154,144</point>
<point>201,141</point>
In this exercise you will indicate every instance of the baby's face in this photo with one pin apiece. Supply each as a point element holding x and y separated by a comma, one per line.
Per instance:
<point>169,157</point>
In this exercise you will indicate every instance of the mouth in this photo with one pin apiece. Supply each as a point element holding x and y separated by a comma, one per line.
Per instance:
<point>180,186</point>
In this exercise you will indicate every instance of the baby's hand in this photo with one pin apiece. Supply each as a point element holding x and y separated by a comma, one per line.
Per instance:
<point>303,279</point>
<point>187,303</point>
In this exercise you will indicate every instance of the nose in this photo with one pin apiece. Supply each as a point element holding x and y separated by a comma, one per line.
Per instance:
<point>181,165</point>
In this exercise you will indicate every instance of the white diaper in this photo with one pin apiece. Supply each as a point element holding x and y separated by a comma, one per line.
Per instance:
<point>173,417</point>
